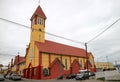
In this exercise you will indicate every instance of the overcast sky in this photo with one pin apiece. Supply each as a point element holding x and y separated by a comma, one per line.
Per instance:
<point>79,20</point>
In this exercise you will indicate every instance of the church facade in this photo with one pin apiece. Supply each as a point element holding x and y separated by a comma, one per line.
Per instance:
<point>47,59</point>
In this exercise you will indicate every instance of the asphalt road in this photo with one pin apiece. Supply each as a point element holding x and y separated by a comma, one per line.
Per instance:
<point>53,80</point>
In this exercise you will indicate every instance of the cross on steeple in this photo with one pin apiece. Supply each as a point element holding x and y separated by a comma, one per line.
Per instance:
<point>39,2</point>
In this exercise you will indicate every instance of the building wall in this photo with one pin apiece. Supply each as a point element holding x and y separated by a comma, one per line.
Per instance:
<point>45,60</point>
<point>37,34</point>
<point>13,69</point>
<point>104,65</point>
<point>91,59</point>
<point>21,68</point>
<point>81,62</point>
<point>32,56</point>
<point>53,56</point>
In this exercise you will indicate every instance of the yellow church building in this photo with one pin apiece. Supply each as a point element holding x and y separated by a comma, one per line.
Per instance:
<point>47,59</point>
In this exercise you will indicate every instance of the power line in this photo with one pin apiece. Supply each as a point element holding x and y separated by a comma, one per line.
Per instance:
<point>43,31</point>
<point>15,23</point>
<point>103,31</point>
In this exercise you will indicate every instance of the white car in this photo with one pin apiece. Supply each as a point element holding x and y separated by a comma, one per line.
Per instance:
<point>1,77</point>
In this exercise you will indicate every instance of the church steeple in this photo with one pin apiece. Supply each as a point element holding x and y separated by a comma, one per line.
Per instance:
<point>38,25</point>
<point>39,12</point>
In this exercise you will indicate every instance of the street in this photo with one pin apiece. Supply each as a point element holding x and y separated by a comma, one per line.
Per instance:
<point>53,80</point>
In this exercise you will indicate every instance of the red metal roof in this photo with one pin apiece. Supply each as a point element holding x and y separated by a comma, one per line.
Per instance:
<point>57,48</point>
<point>39,12</point>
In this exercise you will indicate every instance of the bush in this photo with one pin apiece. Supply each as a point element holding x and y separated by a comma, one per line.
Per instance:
<point>102,78</point>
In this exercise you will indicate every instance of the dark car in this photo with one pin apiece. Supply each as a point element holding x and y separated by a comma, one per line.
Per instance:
<point>91,74</point>
<point>1,77</point>
<point>71,76</point>
<point>60,77</point>
<point>82,75</point>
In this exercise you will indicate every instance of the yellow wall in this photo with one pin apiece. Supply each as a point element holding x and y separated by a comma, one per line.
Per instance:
<point>104,65</point>
<point>73,58</point>
<point>91,59</point>
<point>68,61</point>
<point>36,57</point>
<point>81,59</point>
<point>13,68</point>
<point>27,58</point>
<point>21,68</point>
<point>45,60</point>
<point>32,56</point>
<point>53,56</point>
<point>35,33</point>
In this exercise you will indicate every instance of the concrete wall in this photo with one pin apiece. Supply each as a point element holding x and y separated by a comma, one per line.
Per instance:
<point>112,75</point>
<point>109,75</point>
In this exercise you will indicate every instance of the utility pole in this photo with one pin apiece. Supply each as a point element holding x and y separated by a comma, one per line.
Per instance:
<point>86,56</point>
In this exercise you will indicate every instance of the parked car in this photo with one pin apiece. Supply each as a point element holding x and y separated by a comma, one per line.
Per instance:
<point>1,77</point>
<point>7,76</point>
<point>71,76</point>
<point>82,75</point>
<point>60,77</point>
<point>91,74</point>
<point>15,77</point>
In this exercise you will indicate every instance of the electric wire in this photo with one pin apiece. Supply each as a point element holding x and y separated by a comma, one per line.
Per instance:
<point>44,32</point>
<point>61,36</point>
<point>103,31</point>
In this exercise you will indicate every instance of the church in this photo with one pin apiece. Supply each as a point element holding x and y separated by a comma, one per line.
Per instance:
<point>47,59</point>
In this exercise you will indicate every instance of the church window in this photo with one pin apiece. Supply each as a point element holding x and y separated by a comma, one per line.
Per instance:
<point>31,54</point>
<point>40,30</point>
<point>45,72</point>
<point>66,64</point>
<point>40,21</point>
<point>80,63</point>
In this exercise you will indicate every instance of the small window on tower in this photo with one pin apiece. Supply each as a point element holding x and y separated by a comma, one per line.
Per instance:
<point>40,21</point>
<point>40,30</point>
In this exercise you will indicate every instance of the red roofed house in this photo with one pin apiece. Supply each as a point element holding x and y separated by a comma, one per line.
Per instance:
<point>16,65</point>
<point>47,59</point>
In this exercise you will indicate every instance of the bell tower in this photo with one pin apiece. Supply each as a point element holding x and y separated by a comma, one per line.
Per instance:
<point>38,25</point>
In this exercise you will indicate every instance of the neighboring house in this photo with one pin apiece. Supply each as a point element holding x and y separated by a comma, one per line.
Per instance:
<point>104,65</point>
<point>1,68</point>
<point>15,66</point>
<point>4,70</point>
<point>21,65</point>
<point>47,59</point>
